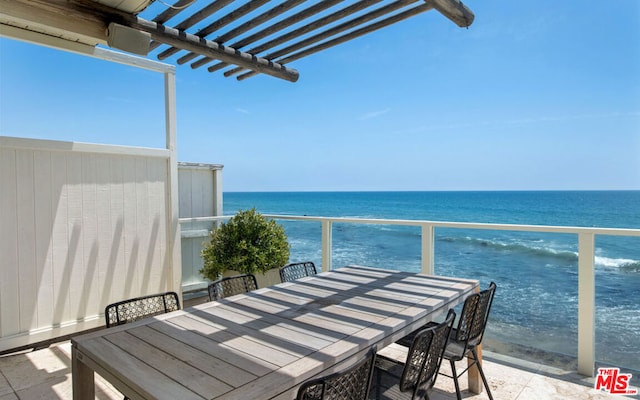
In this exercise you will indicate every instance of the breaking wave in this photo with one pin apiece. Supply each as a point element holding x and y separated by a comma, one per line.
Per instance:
<point>532,249</point>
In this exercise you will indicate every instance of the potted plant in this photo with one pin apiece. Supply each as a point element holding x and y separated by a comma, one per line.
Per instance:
<point>248,243</point>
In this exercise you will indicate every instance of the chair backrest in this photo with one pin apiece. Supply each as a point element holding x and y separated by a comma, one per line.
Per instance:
<point>293,271</point>
<point>474,316</point>
<point>351,384</point>
<point>231,286</point>
<point>137,308</point>
<point>425,356</point>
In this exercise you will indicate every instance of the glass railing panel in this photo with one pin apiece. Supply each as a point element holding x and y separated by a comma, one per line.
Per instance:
<point>386,246</point>
<point>617,301</point>
<point>304,239</point>
<point>535,308</point>
<point>193,234</point>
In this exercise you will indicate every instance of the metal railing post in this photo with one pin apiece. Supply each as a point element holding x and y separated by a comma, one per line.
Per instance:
<point>586,304</point>
<point>326,245</point>
<point>428,233</point>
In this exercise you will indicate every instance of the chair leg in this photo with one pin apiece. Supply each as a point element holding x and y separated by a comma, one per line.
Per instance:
<point>484,378</point>
<point>454,375</point>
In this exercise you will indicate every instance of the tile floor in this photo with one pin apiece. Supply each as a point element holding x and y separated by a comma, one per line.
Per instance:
<point>46,374</point>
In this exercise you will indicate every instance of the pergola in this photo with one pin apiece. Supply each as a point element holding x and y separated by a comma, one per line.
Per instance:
<point>67,250</point>
<point>246,37</point>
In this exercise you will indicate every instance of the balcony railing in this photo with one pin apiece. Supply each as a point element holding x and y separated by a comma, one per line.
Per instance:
<point>586,259</point>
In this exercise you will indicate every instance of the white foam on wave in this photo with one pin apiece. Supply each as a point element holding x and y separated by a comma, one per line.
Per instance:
<point>615,262</point>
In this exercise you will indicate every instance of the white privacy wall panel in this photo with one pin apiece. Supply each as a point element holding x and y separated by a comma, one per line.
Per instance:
<point>81,226</point>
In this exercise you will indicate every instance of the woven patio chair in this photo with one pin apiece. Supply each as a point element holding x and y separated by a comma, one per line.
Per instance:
<point>137,308</point>
<point>293,271</point>
<point>468,335</point>
<point>352,383</point>
<point>231,286</point>
<point>413,378</point>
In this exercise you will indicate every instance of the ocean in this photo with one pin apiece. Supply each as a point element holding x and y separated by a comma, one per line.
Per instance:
<point>536,273</point>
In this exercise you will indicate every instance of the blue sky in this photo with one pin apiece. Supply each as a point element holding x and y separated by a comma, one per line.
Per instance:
<point>535,95</point>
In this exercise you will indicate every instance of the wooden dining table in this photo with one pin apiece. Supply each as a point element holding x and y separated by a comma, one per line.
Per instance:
<point>265,343</point>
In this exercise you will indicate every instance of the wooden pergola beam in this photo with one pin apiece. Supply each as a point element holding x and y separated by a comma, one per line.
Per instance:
<point>209,48</point>
<point>457,12</point>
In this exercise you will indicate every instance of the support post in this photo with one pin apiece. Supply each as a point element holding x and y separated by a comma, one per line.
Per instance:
<point>428,249</point>
<point>174,257</point>
<point>586,304</point>
<point>217,193</point>
<point>326,245</point>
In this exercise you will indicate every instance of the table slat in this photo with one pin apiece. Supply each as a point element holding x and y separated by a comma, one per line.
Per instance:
<point>224,371</point>
<point>144,380</point>
<point>194,379</point>
<point>246,344</point>
<point>216,349</point>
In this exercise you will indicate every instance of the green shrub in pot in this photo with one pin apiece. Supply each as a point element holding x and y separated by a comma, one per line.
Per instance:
<point>248,243</point>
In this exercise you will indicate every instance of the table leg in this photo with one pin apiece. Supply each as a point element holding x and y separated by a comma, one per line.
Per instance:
<point>473,375</point>
<point>82,376</point>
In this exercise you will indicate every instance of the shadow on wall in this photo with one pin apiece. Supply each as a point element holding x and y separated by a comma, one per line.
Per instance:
<point>83,229</point>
